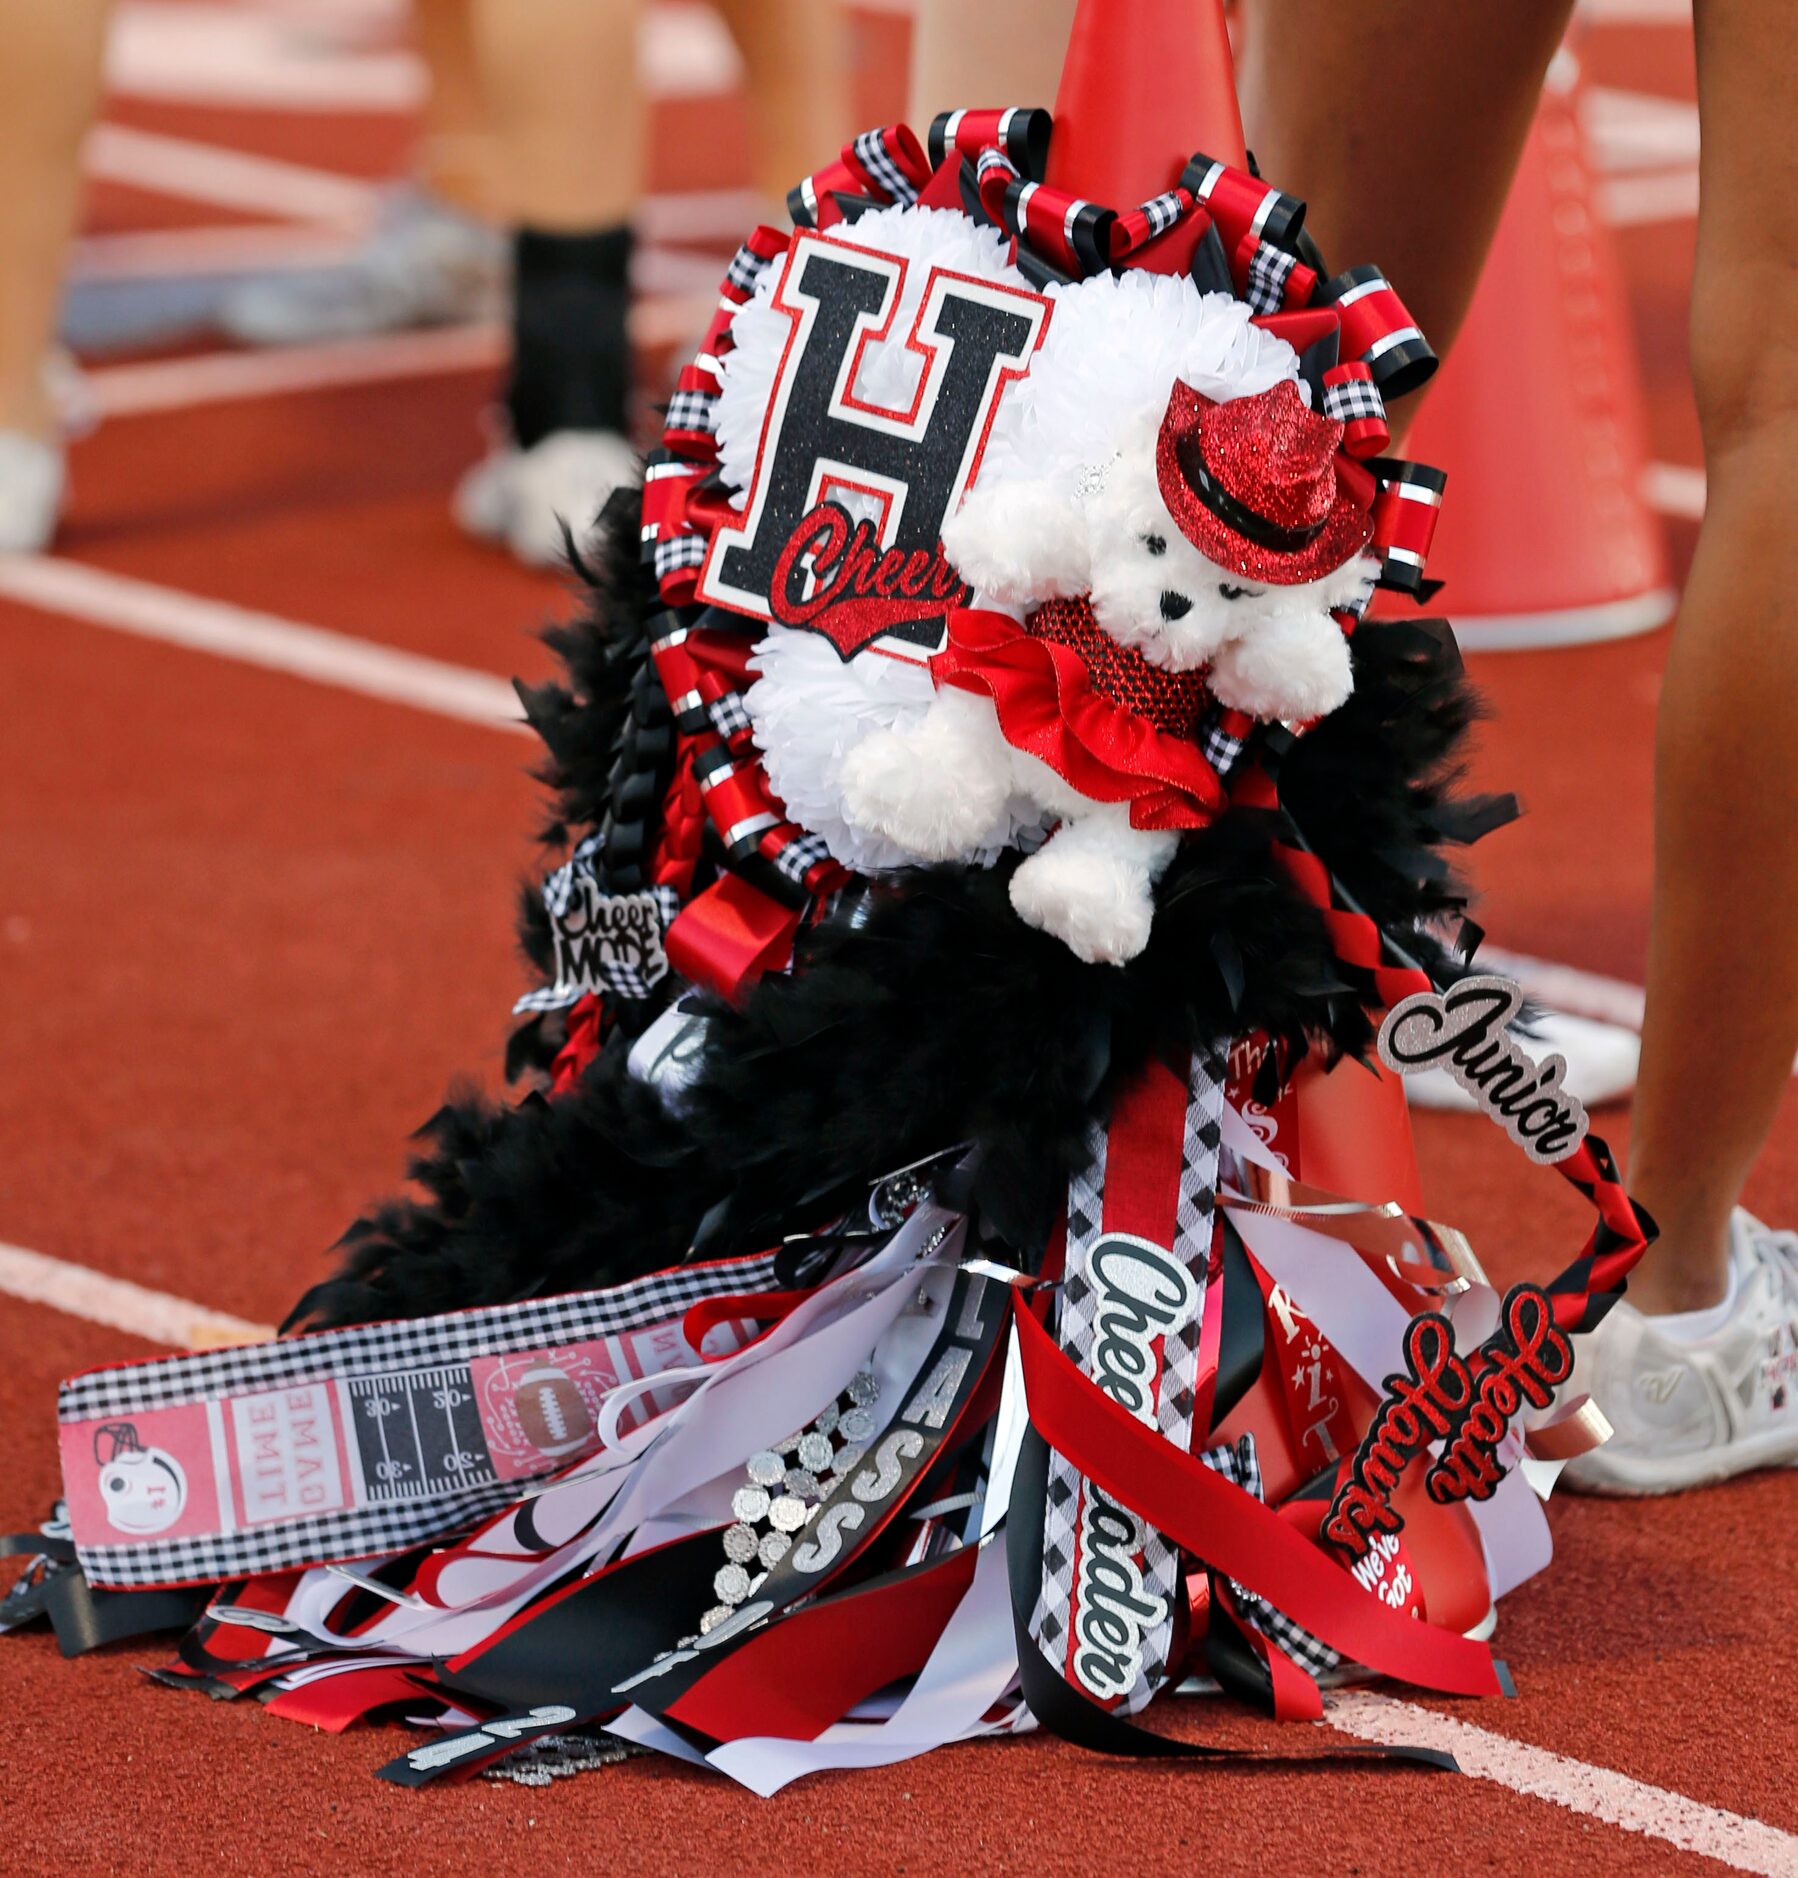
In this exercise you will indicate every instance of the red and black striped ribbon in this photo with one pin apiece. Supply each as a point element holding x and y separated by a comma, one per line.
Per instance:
<point>1622,1232</point>
<point>1241,204</point>
<point>878,168</point>
<point>1074,236</point>
<point>1404,521</point>
<point>1378,330</point>
<point>1020,133</point>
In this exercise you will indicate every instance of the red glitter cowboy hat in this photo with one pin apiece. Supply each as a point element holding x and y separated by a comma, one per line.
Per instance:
<point>1252,484</point>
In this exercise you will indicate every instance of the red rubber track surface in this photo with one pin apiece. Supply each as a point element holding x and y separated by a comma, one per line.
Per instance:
<point>251,928</point>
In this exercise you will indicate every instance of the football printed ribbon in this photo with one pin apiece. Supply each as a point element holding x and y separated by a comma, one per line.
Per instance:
<point>355,1443</point>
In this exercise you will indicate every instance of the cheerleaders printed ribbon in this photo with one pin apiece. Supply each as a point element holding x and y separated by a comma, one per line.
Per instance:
<point>1137,1262</point>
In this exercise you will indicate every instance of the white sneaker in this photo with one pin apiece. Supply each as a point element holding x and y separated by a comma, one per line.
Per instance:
<point>424,264</point>
<point>32,477</point>
<point>1601,1063</point>
<point>522,497</point>
<point>1694,1403</point>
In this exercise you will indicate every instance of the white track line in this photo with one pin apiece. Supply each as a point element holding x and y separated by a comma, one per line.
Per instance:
<point>1595,1792</point>
<point>1639,130</point>
<point>220,377</point>
<point>687,218</point>
<point>1645,148</point>
<point>1637,201</point>
<point>162,253</point>
<point>229,179</point>
<point>118,1304</point>
<point>312,652</point>
<point>255,60</point>
<point>1567,988</point>
<point>1675,489</point>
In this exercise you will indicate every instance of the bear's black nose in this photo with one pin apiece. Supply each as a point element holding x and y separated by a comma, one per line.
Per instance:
<point>1175,606</point>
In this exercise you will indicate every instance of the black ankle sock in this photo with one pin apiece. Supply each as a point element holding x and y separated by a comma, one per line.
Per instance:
<point>571,355</point>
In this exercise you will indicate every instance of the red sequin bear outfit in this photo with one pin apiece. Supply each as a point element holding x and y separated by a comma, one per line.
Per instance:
<point>1098,713</point>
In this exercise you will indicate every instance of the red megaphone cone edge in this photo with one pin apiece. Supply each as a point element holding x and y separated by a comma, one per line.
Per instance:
<point>1538,417</point>
<point>1145,84</point>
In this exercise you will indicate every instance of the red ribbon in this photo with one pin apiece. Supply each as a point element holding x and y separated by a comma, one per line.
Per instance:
<point>794,1678</point>
<point>763,1307</point>
<point>731,934</point>
<point>1232,1531</point>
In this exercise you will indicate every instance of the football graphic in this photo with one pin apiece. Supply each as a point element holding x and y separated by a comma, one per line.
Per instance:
<point>555,1419</point>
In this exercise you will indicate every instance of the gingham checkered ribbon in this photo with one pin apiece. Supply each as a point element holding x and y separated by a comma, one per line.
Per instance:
<point>676,529</point>
<point>353,1366</point>
<point>704,669</point>
<point>1151,1173</point>
<point>1239,1463</point>
<point>878,168</point>
<point>1223,737</point>
<point>1268,272</point>
<point>1352,398</point>
<point>586,961</point>
<point>1385,973</point>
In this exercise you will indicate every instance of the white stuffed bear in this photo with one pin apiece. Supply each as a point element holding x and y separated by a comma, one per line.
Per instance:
<point>1204,557</point>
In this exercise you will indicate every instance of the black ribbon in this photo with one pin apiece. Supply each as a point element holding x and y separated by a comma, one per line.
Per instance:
<point>931,1420</point>
<point>85,1619</point>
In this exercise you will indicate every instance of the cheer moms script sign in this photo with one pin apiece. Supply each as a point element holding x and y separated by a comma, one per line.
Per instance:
<point>808,551</point>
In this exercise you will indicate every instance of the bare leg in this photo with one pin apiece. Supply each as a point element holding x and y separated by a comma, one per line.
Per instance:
<point>1398,123</point>
<point>456,155</point>
<point>49,92</point>
<point>1722,969</point>
<point>1003,52</point>
<point>797,52</point>
<point>559,78</point>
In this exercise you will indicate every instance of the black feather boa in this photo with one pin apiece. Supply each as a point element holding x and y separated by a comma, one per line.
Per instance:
<point>921,1014</point>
